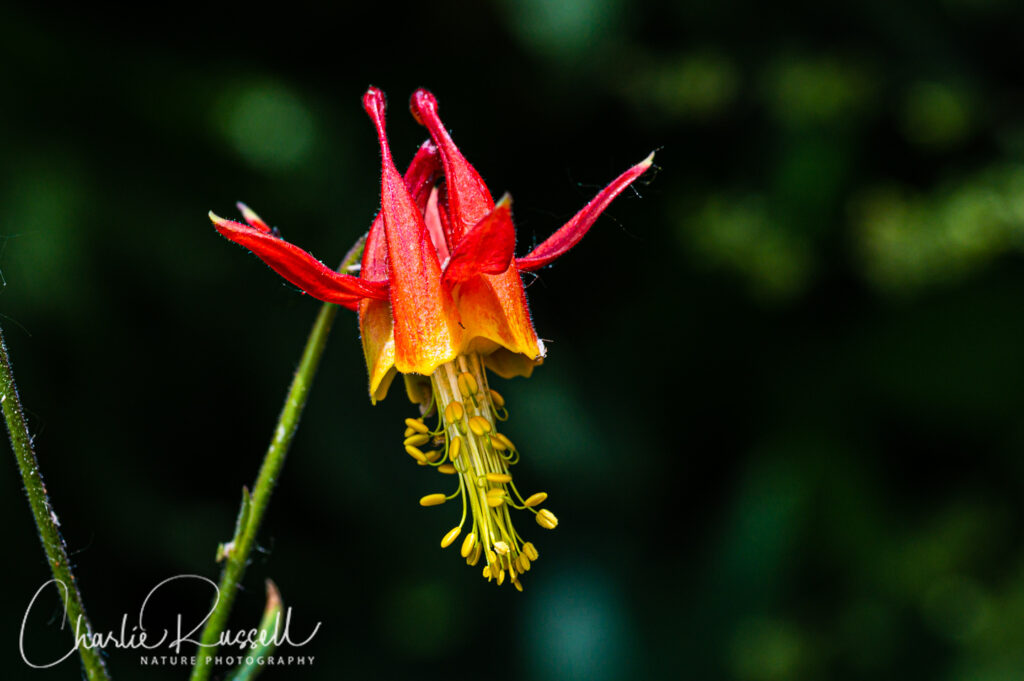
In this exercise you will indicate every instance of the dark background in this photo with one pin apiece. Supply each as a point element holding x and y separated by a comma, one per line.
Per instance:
<point>780,417</point>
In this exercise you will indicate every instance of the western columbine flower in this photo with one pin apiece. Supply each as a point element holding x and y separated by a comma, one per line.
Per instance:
<point>440,300</point>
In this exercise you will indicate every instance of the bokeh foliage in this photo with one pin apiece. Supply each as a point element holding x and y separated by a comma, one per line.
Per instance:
<point>780,420</point>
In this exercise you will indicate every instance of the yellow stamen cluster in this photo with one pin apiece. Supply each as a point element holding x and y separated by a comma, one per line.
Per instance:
<point>470,446</point>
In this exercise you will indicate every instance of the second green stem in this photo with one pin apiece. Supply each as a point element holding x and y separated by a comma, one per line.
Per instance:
<point>238,555</point>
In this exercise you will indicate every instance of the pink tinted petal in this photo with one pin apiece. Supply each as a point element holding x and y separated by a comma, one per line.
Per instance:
<point>375,252</point>
<point>571,233</point>
<point>435,224</point>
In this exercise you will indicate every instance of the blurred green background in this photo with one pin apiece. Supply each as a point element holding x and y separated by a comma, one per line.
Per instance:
<point>780,417</point>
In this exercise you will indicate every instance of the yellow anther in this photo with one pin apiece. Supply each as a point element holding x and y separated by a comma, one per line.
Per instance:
<point>446,468</point>
<point>487,572</point>
<point>417,439</point>
<point>504,440</point>
<point>415,453</point>
<point>501,576</point>
<point>492,559</point>
<point>496,492</point>
<point>501,547</point>
<point>547,519</point>
<point>498,444</point>
<point>498,400</point>
<point>454,412</point>
<point>433,500</point>
<point>447,540</point>
<point>495,502</point>
<point>410,431</point>
<point>432,456</point>
<point>417,425</point>
<point>467,544</point>
<point>454,447</point>
<point>524,563</point>
<point>474,557</point>
<point>499,477</point>
<point>517,585</point>
<point>467,384</point>
<point>479,425</point>
<point>530,551</point>
<point>535,499</point>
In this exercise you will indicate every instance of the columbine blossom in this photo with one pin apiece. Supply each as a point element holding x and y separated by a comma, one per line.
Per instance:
<point>440,299</point>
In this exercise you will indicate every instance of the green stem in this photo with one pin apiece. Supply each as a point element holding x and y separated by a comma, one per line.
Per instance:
<point>287,423</point>
<point>46,519</point>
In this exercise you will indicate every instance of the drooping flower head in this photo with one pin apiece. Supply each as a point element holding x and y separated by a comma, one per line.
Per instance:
<point>440,300</point>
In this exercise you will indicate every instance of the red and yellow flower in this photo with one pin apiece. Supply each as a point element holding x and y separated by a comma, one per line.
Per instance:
<point>440,299</point>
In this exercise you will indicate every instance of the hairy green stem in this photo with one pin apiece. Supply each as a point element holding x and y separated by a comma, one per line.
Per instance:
<point>46,519</point>
<point>237,555</point>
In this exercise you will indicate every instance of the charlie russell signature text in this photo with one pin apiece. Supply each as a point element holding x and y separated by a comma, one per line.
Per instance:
<point>139,638</point>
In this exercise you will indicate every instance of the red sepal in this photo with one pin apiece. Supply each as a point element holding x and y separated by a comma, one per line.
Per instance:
<point>570,234</point>
<point>297,266</point>
<point>487,248</point>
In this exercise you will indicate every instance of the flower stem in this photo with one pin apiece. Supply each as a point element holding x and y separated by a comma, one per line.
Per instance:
<point>238,555</point>
<point>46,519</point>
